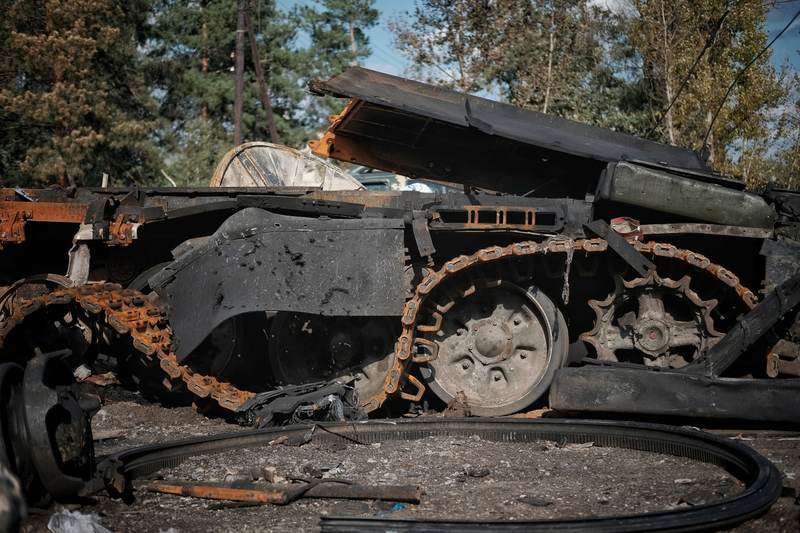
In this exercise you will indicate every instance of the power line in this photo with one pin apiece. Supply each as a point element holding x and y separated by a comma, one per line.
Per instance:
<point>739,75</point>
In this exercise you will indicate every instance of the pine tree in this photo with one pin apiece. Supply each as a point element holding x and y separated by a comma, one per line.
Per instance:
<point>338,39</point>
<point>73,101</point>
<point>190,67</point>
<point>337,32</point>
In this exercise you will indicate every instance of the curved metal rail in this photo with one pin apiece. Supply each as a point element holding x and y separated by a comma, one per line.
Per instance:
<point>762,481</point>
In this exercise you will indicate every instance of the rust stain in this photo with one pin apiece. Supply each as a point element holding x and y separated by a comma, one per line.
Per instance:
<point>277,497</point>
<point>14,216</point>
<point>324,147</point>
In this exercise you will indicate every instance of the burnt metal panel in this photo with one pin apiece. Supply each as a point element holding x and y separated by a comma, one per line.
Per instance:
<point>749,328</point>
<point>412,102</point>
<point>782,261</point>
<point>626,390</point>
<point>262,261</point>
<point>654,189</point>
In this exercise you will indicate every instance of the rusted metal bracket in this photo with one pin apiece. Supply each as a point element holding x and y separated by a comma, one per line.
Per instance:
<point>121,230</point>
<point>12,227</point>
<point>784,358</point>
<point>623,248</point>
<point>14,216</point>
<point>284,494</point>
<point>422,235</point>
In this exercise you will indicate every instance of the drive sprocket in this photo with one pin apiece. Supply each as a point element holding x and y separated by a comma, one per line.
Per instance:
<point>652,320</point>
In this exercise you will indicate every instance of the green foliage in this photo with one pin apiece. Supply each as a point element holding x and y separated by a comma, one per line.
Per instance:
<point>669,36</point>
<point>190,68</point>
<point>337,32</point>
<point>146,87</point>
<point>143,88</point>
<point>618,69</point>
<point>74,103</point>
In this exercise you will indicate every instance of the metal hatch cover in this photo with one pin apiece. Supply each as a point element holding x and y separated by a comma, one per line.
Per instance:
<point>388,115</point>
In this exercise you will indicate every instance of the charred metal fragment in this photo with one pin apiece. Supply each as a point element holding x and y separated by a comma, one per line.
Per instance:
<point>294,404</point>
<point>45,434</point>
<point>782,261</point>
<point>749,329</point>
<point>262,261</point>
<point>616,389</point>
<point>706,229</point>
<point>623,248</point>
<point>422,235</point>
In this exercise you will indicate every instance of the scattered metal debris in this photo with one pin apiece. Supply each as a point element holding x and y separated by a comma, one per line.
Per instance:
<point>287,493</point>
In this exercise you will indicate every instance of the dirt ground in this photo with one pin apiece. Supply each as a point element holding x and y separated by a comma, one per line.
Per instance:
<point>461,477</point>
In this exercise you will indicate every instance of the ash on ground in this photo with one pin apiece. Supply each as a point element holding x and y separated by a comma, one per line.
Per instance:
<point>462,477</point>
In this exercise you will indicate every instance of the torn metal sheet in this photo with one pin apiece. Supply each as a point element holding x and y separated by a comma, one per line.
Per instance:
<point>262,261</point>
<point>403,107</point>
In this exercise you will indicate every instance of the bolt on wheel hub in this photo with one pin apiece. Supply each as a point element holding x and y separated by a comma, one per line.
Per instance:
<point>653,336</point>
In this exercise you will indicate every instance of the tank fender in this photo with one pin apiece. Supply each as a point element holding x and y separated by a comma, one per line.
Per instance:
<point>262,261</point>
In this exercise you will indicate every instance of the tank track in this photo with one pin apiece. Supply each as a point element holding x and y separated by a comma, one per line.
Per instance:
<point>138,321</point>
<point>143,325</point>
<point>411,349</point>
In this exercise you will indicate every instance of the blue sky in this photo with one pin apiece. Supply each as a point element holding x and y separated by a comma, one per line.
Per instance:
<point>386,59</point>
<point>787,47</point>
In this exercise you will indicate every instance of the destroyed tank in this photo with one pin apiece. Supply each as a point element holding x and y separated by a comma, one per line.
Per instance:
<point>619,274</point>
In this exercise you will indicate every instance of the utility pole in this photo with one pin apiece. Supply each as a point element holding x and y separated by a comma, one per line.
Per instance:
<point>239,74</point>
<point>262,84</point>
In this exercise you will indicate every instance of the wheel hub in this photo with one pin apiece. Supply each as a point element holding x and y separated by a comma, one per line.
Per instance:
<point>493,341</point>
<point>652,336</point>
<point>495,347</point>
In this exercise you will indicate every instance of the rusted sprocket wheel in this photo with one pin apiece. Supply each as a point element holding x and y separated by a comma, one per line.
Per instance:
<point>652,320</point>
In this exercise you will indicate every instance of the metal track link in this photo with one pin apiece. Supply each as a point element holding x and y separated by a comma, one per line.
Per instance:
<point>411,349</point>
<point>136,318</point>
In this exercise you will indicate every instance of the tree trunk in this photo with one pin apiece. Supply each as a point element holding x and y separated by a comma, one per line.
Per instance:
<point>667,78</point>
<point>549,81</point>
<point>239,74</point>
<point>204,66</point>
<point>710,142</point>
<point>353,46</point>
